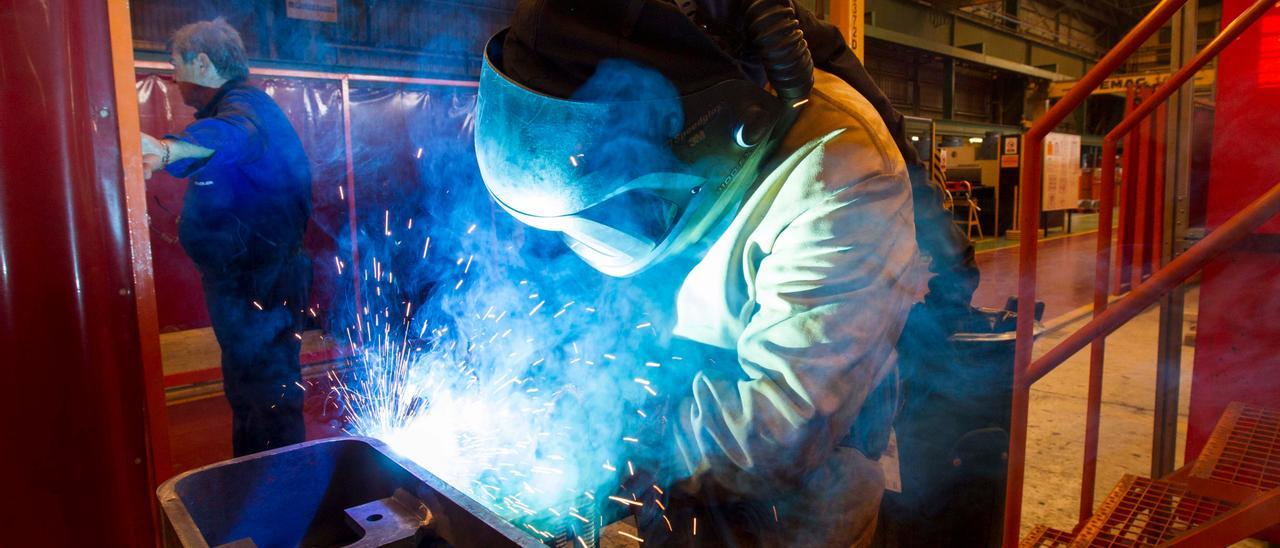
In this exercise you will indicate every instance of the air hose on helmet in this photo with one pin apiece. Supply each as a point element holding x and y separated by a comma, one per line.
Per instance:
<point>774,31</point>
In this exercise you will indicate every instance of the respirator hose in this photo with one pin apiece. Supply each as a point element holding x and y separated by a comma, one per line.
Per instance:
<point>774,32</point>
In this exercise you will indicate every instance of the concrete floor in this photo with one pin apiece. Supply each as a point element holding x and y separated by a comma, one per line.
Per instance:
<point>1080,224</point>
<point>1064,273</point>
<point>1055,433</point>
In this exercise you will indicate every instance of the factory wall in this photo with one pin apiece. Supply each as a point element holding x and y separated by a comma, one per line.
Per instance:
<point>916,82</point>
<point>1238,329</point>
<point>443,38</point>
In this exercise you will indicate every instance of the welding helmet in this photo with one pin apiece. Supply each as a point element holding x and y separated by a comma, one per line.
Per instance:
<point>629,179</point>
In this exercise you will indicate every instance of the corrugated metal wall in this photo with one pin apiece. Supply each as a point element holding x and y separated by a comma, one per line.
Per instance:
<point>915,80</point>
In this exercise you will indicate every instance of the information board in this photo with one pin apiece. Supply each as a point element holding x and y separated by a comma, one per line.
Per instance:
<point>1061,188</point>
<point>312,10</point>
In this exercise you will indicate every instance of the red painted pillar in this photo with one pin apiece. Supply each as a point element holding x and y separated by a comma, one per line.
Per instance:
<point>1141,233</point>
<point>78,374</point>
<point>1155,219</point>
<point>1238,326</point>
<point>1128,194</point>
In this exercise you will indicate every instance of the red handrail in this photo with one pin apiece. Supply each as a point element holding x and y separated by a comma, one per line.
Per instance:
<point>1029,223</point>
<point>1025,374</point>
<point>1224,237</point>
<point>1102,269</point>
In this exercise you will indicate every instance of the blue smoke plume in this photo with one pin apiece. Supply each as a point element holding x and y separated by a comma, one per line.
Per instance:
<point>491,354</point>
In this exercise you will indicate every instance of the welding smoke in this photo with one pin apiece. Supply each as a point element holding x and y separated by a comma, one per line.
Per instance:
<point>488,352</point>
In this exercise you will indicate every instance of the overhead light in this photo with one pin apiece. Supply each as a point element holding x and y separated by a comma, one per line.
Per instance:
<point>975,140</point>
<point>915,138</point>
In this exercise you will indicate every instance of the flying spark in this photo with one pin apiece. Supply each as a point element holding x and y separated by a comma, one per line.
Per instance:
<point>494,402</point>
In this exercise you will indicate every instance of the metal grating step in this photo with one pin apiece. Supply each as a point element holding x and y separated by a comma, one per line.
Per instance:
<point>1046,537</point>
<point>1146,512</point>
<point>1242,456</point>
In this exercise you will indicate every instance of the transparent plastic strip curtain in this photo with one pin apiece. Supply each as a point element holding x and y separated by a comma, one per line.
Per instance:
<point>412,159</point>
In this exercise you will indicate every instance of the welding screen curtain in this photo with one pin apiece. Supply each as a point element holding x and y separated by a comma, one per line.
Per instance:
<point>414,172</point>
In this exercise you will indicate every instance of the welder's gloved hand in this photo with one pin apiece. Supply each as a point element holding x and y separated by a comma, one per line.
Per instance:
<point>639,486</point>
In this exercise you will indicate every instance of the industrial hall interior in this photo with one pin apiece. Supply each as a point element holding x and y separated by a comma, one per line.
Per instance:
<point>636,273</point>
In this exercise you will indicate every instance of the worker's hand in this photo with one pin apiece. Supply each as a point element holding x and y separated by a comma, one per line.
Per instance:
<point>152,146</point>
<point>639,487</point>
<point>150,164</point>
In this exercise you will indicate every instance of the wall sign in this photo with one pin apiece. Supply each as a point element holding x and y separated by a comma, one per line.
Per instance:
<point>1009,151</point>
<point>1061,172</point>
<point>1117,85</point>
<point>325,11</point>
<point>848,16</point>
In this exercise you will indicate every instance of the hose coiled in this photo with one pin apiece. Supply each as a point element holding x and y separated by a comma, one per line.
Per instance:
<point>774,32</point>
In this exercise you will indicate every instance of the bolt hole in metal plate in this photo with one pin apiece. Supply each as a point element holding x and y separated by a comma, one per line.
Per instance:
<point>326,493</point>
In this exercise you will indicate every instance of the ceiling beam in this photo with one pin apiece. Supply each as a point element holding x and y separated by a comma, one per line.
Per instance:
<point>1105,13</point>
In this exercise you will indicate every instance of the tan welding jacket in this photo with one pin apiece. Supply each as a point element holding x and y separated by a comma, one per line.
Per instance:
<point>810,284</point>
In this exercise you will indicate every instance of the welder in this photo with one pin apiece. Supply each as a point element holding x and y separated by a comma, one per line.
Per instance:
<point>695,139</point>
<point>245,209</point>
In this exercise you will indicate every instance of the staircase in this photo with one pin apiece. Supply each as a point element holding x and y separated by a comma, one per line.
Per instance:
<point>1239,466</point>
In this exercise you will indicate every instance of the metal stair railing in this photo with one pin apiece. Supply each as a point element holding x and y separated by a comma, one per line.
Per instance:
<point>1105,320</point>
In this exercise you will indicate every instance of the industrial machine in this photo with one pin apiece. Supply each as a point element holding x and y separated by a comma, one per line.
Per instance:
<point>952,443</point>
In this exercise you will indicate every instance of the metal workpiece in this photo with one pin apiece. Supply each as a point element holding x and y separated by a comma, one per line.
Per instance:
<point>351,492</point>
<point>400,520</point>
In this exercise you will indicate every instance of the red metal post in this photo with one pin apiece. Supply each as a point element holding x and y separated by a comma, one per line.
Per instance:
<point>1097,353</point>
<point>1238,338</point>
<point>78,465</point>
<point>1026,374</point>
<point>1129,161</point>
<point>354,268</point>
<point>1142,205</point>
<point>144,292</point>
<point>1029,226</point>
<point>1155,211</point>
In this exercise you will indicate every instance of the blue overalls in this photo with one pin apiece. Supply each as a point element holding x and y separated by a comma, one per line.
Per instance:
<point>243,216</point>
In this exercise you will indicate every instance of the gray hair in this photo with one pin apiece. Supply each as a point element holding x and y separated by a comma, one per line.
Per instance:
<point>218,40</point>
